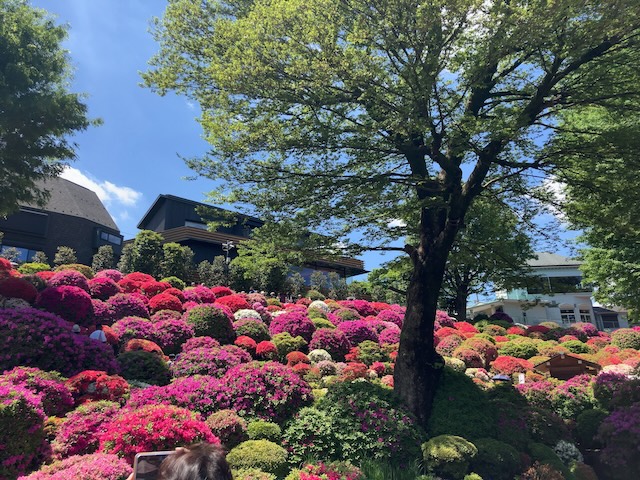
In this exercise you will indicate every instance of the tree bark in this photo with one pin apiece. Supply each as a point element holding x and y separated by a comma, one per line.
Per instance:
<point>462,293</point>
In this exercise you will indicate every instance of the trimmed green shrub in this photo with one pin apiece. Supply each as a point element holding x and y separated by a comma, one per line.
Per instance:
<point>369,352</point>
<point>496,460</point>
<point>175,282</point>
<point>144,366</point>
<point>545,427</point>
<point>211,321</point>
<point>316,313</point>
<point>586,429</point>
<point>518,348</point>
<point>262,430</point>
<point>322,323</point>
<point>315,295</point>
<point>510,424</point>
<point>576,346</point>
<point>286,344</point>
<point>311,434</point>
<point>460,408</point>
<point>252,474</point>
<point>448,456</point>
<point>261,454</point>
<point>33,267</point>
<point>78,267</point>
<point>546,455</point>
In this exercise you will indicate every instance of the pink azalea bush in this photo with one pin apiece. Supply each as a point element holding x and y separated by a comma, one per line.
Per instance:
<point>103,288</point>
<point>69,277</point>
<point>154,427</point>
<point>127,305</point>
<point>358,331</point>
<point>49,387</point>
<point>198,342</point>
<point>26,333</point>
<point>79,432</point>
<point>335,342</point>
<point>208,361</point>
<point>129,328</point>
<point>111,273</point>
<point>96,466</point>
<point>171,334</point>
<point>71,303</point>
<point>295,323</point>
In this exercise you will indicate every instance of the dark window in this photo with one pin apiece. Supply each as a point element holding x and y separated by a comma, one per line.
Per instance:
<point>26,255</point>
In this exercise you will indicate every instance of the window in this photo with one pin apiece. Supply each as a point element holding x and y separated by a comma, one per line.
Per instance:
<point>23,254</point>
<point>610,323</point>
<point>567,315</point>
<point>585,315</point>
<point>108,237</point>
<point>200,225</point>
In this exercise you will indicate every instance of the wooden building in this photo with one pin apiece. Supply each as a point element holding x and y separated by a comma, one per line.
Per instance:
<point>565,365</point>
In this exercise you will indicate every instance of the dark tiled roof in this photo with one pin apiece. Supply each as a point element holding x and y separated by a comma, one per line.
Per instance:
<point>70,198</point>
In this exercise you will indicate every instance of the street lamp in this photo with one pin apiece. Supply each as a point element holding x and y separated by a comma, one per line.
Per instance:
<point>226,247</point>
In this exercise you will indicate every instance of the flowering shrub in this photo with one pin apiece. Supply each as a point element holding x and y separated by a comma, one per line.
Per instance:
<point>205,294</point>
<point>471,358</point>
<point>253,328</point>
<point>165,301</point>
<point>21,430</point>
<point>153,288</point>
<point>69,277</point>
<point>138,344</point>
<point>391,316</point>
<point>207,361</point>
<point>26,333</point>
<point>102,312</point>
<point>233,302</point>
<point>465,327</point>
<point>145,367</point>
<point>327,471</point>
<point>79,431</point>
<point>154,427</point>
<point>357,331</point>
<point>221,291</point>
<point>103,287</point>
<point>71,303</point>
<point>606,385</point>
<point>161,315</point>
<point>626,338</point>
<point>538,394</point>
<point>247,313</point>
<point>49,387</point>
<point>93,385</point>
<point>212,321</point>
<point>389,336</point>
<point>271,391</point>
<point>96,466</point>
<point>620,435</point>
<point>294,358</point>
<point>198,342</point>
<point>485,348</point>
<point>285,343</point>
<point>573,396</point>
<point>228,426</point>
<point>568,452</point>
<point>335,342</point>
<point>113,274</point>
<point>448,344</point>
<point>127,305</point>
<point>295,323</point>
<point>266,350</point>
<point>14,287</point>
<point>128,328</point>
<point>509,365</point>
<point>246,343</point>
<point>132,282</point>
<point>172,333</point>
<point>596,343</point>
<point>502,316</point>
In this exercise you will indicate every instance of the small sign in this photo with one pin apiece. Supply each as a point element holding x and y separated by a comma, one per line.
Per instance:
<point>521,378</point>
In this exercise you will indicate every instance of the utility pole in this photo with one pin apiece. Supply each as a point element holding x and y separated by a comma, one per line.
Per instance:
<point>227,246</point>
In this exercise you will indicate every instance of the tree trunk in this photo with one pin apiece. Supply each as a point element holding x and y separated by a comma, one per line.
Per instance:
<point>418,367</point>
<point>462,293</point>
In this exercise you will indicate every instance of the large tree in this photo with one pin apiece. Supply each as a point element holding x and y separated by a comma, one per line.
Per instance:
<point>345,115</point>
<point>37,112</point>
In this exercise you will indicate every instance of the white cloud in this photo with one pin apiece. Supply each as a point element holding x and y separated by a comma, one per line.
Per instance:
<point>107,192</point>
<point>397,223</point>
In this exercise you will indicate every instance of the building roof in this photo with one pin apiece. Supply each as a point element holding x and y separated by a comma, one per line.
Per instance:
<point>546,259</point>
<point>69,198</point>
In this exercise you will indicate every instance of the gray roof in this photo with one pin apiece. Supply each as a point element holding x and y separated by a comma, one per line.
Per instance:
<point>72,199</point>
<point>545,259</point>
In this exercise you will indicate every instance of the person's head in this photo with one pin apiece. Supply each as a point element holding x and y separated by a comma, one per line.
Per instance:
<point>201,461</point>
<point>76,328</point>
<point>98,326</point>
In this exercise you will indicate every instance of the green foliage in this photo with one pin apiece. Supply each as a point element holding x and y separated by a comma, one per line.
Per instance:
<point>295,284</point>
<point>177,261</point>
<point>546,455</point>
<point>211,321</point>
<point>460,408</point>
<point>39,114</point>
<point>251,474</point>
<point>144,366</point>
<point>448,455</point>
<point>312,434</point>
<point>261,454</point>
<point>147,253</point>
<point>262,265</point>
<point>315,294</point>
<point>38,257</point>
<point>286,344</point>
<point>263,430</point>
<point>338,288</point>
<point>322,323</point>
<point>175,282</point>
<point>518,348</point>
<point>212,274</point>
<point>320,284</point>
<point>64,256</point>
<point>104,258</point>
<point>495,460</point>
<point>78,267</point>
<point>370,352</point>
<point>576,346</point>
<point>376,470</point>
<point>33,267</point>
<point>586,429</point>
<point>125,263</point>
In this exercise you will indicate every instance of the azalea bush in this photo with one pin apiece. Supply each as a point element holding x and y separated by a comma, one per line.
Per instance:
<point>71,303</point>
<point>620,435</point>
<point>229,427</point>
<point>252,327</point>
<point>14,287</point>
<point>358,331</point>
<point>335,342</point>
<point>212,321</point>
<point>129,328</point>
<point>626,338</point>
<point>93,385</point>
<point>96,466</point>
<point>295,323</point>
<point>573,397</point>
<point>144,367</point>
<point>171,334</point>
<point>208,361</point>
<point>103,288</point>
<point>127,305</point>
<point>50,388</point>
<point>152,428</point>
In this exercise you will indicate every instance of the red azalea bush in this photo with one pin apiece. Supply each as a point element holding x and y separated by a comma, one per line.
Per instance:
<point>485,348</point>
<point>270,391</point>
<point>21,430</point>
<point>103,287</point>
<point>246,343</point>
<point>233,302</point>
<point>165,301</point>
<point>45,275</point>
<point>127,305</point>
<point>93,385</point>
<point>26,333</point>
<point>295,323</point>
<point>266,350</point>
<point>293,358</point>
<point>132,282</point>
<point>448,344</point>
<point>5,266</point>
<point>465,327</point>
<point>138,344</point>
<point>96,466</point>
<point>213,321</point>
<point>516,331</point>
<point>14,287</point>
<point>221,291</point>
<point>79,432</point>
<point>332,471</point>
<point>152,428</point>
<point>446,332</point>
<point>149,289</point>
<point>353,370</point>
<point>333,341</point>
<point>49,387</point>
<point>71,303</point>
<point>208,361</point>
<point>198,342</point>
<point>507,365</point>
<point>357,331</point>
<point>172,333</point>
<point>253,328</point>
<point>129,328</point>
<point>471,358</point>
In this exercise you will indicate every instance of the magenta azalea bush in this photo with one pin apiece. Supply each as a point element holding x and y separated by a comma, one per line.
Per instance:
<point>97,466</point>
<point>171,334</point>
<point>333,341</point>
<point>127,305</point>
<point>271,391</point>
<point>151,428</point>
<point>198,342</point>
<point>129,328</point>
<point>391,316</point>
<point>71,303</point>
<point>389,336</point>
<point>358,331</point>
<point>208,361</point>
<point>26,333</point>
<point>56,398</point>
<point>21,430</point>
<point>295,323</point>
<point>620,435</point>
<point>103,288</point>
<point>79,431</point>
<point>69,277</point>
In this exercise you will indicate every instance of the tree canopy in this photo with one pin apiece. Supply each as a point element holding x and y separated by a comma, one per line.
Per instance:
<point>345,115</point>
<point>37,112</point>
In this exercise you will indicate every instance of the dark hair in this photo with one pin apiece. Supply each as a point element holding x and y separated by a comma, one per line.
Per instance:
<point>201,461</point>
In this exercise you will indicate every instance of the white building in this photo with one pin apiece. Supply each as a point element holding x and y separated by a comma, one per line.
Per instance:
<point>556,293</point>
